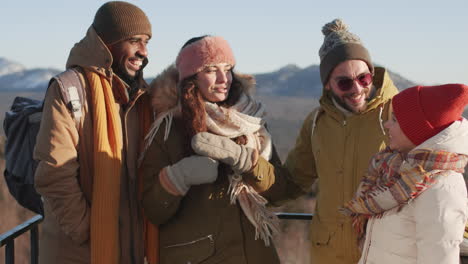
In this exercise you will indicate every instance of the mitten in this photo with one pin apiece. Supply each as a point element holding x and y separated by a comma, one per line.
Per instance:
<point>239,157</point>
<point>193,170</point>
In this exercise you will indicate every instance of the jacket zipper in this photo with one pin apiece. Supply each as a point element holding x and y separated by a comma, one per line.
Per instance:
<point>210,237</point>
<point>131,205</point>
<point>368,236</point>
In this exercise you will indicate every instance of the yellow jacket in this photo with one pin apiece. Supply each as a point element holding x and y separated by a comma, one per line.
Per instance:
<point>336,149</point>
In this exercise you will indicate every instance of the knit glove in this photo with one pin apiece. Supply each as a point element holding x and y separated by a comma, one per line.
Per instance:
<point>193,170</point>
<point>239,157</point>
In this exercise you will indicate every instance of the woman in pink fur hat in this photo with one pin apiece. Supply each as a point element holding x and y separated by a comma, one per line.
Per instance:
<point>208,161</point>
<point>411,206</point>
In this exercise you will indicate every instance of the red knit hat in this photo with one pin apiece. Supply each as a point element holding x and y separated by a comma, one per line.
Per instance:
<point>423,111</point>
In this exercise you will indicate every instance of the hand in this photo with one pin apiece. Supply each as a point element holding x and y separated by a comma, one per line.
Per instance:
<point>193,170</point>
<point>240,157</point>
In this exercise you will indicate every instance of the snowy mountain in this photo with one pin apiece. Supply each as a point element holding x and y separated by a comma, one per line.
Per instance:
<point>7,67</point>
<point>15,77</point>
<point>289,80</point>
<point>294,81</point>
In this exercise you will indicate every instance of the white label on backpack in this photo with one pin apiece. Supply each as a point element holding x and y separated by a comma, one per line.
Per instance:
<point>75,102</point>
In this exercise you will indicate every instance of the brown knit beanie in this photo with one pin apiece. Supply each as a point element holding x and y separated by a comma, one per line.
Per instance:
<point>340,45</point>
<point>115,21</point>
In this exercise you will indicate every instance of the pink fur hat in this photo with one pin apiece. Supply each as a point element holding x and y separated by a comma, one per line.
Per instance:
<point>206,51</point>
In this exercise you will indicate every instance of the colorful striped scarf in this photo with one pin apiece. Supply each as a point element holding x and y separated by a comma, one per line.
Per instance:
<point>393,181</point>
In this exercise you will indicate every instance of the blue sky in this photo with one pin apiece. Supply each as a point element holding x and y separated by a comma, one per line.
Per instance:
<point>425,41</point>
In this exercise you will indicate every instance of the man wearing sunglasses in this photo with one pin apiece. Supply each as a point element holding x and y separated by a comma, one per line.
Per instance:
<point>339,137</point>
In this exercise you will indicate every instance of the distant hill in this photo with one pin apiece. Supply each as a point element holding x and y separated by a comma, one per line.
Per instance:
<point>15,77</point>
<point>294,81</point>
<point>289,80</point>
<point>8,67</point>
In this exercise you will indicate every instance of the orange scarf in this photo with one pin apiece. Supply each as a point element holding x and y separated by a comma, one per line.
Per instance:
<point>108,148</point>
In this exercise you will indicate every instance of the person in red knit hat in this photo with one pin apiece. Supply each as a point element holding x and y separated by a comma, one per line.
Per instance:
<point>411,206</point>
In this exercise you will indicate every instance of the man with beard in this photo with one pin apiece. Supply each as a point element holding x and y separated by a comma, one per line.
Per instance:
<point>87,171</point>
<point>338,138</point>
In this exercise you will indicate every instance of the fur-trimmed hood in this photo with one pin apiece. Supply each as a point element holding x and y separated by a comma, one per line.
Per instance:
<point>164,92</point>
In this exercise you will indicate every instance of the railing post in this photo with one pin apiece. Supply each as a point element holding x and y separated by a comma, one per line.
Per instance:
<point>7,239</point>
<point>10,252</point>
<point>34,245</point>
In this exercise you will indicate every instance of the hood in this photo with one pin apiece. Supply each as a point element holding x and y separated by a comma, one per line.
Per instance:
<point>164,92</point>
<point>90,52</point>
<point>385,90</point>
<point>453,139</point>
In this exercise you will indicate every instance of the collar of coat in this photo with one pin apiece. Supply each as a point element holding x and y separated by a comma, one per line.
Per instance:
<point>91,53</point>
<point>164,92</point>
<point>385,90</point>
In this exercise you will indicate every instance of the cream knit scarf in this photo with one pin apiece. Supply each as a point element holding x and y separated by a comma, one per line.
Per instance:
<point>107,154</point>
<point>245,118</point>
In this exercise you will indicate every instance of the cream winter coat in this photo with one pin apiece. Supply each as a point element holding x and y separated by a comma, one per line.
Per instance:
<point>430,228</point>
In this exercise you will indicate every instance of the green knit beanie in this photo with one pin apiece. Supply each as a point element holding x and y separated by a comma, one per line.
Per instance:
<point>117,20</point>
<point>340,45</point>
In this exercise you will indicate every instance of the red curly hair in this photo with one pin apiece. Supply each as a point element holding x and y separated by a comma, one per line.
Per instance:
<point>193,105</point>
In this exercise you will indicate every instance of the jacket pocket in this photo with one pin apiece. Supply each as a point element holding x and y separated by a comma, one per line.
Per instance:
<point>322,236</point>
<point>189,252</point>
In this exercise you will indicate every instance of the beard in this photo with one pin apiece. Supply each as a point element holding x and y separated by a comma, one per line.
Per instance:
<point>131,81</point>
<point>370,94</point>
<point>123,74</point>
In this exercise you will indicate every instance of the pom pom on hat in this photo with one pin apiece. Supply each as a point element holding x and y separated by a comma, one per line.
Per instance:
<point>334,26</point>
<point>340,45</point>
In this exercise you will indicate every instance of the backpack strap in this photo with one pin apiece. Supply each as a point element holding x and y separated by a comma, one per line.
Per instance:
<point>72,91</point>
<point>318,111</point>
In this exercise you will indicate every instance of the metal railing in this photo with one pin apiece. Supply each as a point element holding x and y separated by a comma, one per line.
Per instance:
<point>294,216</point>
<point>8,239</point>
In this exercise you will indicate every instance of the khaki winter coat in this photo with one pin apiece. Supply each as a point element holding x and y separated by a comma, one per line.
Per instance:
<point>337,151</point>
<point>202,226</point>
<point>64,176</point>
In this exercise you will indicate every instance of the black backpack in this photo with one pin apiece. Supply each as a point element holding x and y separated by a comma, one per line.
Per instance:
<point>21,125</point>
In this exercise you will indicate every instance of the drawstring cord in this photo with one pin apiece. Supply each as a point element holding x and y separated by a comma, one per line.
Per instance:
<point>381,121</point>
